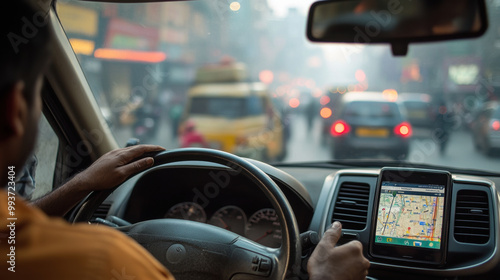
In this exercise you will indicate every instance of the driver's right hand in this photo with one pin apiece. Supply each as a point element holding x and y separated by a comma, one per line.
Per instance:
<point>337,263</point>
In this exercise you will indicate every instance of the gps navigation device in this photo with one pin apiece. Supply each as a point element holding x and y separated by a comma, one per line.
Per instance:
<point>411,214</point>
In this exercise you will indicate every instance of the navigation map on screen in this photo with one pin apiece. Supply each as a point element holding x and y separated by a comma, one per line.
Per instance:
<point>410,215</point>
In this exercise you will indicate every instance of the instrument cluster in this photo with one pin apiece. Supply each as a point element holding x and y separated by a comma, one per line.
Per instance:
<point>261,226</point>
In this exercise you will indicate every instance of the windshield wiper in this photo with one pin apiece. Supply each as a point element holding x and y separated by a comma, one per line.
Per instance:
<point>366,163</point>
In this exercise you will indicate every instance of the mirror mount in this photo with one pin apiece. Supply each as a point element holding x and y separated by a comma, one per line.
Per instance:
<point>399,48</point>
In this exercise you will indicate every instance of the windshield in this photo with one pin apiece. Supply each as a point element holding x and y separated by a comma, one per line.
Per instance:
<point>160,71</point>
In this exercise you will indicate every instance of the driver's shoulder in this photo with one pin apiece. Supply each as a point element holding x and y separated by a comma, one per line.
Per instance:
<point>100,250</point>
<point>121,254</point>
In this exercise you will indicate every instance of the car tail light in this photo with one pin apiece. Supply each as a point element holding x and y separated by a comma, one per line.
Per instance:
<point>339,128</point>
<point>403,130</point>
<point>495,124</point>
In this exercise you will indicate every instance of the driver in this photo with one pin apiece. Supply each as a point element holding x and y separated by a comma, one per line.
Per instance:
<point>35,246</point>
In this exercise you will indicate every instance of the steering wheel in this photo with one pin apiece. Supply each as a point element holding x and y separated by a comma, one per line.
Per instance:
<point>192,250</point>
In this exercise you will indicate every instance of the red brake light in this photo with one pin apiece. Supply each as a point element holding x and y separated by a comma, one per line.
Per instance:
<point>495,124</point>
<point>403,129</point>
<point>339,128</point>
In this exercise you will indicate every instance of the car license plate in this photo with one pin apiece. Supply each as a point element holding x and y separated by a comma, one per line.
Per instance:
<point>372,132</point>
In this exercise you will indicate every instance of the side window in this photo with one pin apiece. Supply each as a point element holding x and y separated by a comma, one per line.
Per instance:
<point>36,178</point>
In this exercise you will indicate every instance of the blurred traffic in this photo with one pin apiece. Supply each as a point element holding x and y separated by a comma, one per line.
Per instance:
<point>272,95</point>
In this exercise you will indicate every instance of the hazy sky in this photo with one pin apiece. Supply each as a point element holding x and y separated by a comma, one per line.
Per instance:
<point>281,6</point>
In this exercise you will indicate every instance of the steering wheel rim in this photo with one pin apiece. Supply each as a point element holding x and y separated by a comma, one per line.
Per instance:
<point>289,253</point>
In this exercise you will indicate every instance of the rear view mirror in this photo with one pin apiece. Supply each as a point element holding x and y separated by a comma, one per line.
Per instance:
<point>398,22</point>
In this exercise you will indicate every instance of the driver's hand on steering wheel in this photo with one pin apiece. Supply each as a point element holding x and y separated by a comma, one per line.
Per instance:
<point>339,263</point>
<point>115,167</point>
<point>107,172</point>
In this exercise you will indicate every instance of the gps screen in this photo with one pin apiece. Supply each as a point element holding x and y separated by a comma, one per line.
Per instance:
<point>410,215</point>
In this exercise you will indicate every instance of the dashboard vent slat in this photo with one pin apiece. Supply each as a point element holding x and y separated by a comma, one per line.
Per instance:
<point>102,211</point>
<point>351,207</point>
<point>472,218</point>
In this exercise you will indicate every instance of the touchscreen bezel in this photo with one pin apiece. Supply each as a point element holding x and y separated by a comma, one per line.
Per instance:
<point>408,253</point>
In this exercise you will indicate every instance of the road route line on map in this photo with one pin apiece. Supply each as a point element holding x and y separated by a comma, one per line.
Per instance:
<point>385,225</point>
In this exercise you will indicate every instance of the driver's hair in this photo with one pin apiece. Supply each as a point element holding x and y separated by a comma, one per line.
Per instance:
<point>24,50</point>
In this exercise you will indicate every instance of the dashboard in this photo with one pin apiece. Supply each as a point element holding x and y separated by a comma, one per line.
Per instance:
<point>472,226</point>
<point>213,196</point>
<point>204,192</point>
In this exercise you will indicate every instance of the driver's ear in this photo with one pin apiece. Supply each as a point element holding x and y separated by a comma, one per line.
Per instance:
<point>14,112</point>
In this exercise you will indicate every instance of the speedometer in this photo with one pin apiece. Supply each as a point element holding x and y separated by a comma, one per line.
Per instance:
<point>264,227</point>
<point>231,218</point>
<point>187,211</point>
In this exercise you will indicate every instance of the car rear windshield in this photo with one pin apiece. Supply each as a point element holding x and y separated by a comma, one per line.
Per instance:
<point>496,114</point>
<point>227,107</point>
<point>364,109</point>
<point>416,105</point>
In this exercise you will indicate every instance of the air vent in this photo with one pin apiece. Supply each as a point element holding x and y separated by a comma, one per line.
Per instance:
<point>102,211</point>
<point>351,206</point>
<point>472,218</point>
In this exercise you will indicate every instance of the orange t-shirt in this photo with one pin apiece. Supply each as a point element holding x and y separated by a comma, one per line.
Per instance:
<point>50,248</point>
